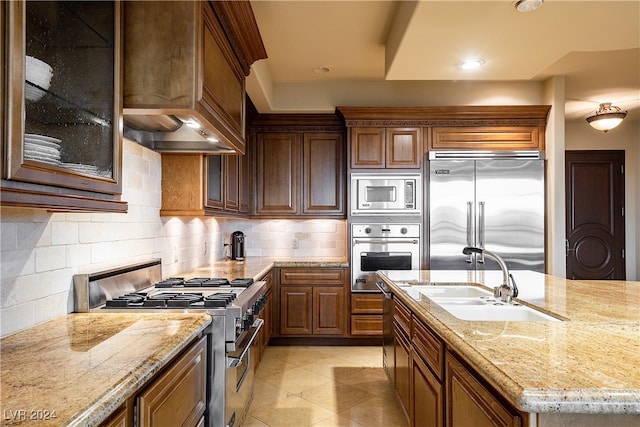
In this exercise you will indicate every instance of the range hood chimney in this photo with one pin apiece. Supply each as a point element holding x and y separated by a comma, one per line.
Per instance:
<point>184,70</point>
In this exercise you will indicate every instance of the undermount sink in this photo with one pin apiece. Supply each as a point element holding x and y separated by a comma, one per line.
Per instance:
<point>468,302</point>
<point>503,312</point>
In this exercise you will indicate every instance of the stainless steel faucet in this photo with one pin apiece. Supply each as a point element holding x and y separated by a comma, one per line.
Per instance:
<point>508,290</point>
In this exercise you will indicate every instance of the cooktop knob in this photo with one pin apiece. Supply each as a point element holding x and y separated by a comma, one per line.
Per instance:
<point>367,230</point>
<point>403,230</point>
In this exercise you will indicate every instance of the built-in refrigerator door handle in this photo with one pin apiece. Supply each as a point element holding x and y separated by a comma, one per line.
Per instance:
<point>481,236</point>
<point>470,241</point>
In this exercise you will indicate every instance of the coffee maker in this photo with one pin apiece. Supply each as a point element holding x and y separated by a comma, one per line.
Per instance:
<point>237,245</point>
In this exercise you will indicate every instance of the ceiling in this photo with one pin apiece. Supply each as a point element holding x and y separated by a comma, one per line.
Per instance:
<point>384,52</point>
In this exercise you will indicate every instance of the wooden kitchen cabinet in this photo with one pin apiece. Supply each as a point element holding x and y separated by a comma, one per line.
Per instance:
<point>178,396</point>
<point>488,138</point>
<point>299,172</point>
<point>267,315</point>
<point>366,314</point>
<point>312,302</point>
<point>427,374</point>
<point>188,60</point>
<point>201,185</point>
<point>470,402</point>
<point>402,368</point>
<point>61,100</point>
<point>391,148</point>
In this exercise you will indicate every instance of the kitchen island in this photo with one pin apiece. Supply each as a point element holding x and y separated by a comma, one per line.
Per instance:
<point>78,369</point>
<point>583,369</point>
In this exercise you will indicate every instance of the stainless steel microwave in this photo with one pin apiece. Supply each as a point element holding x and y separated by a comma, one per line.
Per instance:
<point>385,194</point>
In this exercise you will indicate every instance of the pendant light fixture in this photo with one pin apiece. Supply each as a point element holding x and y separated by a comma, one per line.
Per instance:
<point>607,117</point>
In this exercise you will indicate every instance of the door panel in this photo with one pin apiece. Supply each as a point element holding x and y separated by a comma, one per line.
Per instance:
<point>451,196</point>
<point>595,215</point>
<point>510,212</point>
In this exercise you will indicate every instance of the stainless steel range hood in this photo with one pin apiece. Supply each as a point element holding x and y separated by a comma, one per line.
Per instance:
<point>166,133</point>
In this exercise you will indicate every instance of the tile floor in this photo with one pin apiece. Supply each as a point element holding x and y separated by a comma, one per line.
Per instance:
<point>322,386</point>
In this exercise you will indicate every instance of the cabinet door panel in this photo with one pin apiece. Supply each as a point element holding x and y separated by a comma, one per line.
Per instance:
<point>296,309</point>
<point>278,164</point>
<point>329,311</point>
<point>471,403</point>
<point>428,397</point>
<point>367,148</point>
<point>215,181</point>
<point>402,368</point>
<point>178,396</point>
<point>404,148</point>
<point>232,190</point>
<point>323,178</point>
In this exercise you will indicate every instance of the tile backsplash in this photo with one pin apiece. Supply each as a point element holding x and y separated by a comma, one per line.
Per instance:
<point>40,251</point>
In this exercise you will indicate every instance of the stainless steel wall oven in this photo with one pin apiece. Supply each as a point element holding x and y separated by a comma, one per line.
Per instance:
<point>382,247</point>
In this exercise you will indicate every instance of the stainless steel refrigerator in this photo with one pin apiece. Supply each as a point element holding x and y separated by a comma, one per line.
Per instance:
<point>496,203</point>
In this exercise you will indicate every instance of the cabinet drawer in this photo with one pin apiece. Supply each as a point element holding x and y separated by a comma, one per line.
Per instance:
<point>429,347</point>
<point>402,316</point>
<point>366,324</point>
<point>312,276</point>
<point>366,304</point>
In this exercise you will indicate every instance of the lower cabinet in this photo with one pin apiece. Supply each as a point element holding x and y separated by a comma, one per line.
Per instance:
<point>366,314</point>
<point>312,302</point>
<point>118,419</point>
<point>178,396</point>
<point>427,409</point>
<point>402,368</point>
<point>435,388</point>
<point>469,402</point>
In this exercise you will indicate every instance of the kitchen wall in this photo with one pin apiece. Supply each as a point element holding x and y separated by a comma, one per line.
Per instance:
<point>40,251</point>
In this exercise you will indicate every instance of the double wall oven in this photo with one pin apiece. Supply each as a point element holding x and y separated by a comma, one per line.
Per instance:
<point>233,304</point>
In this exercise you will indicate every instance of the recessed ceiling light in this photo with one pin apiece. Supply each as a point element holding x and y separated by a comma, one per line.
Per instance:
<point>321,70</point>
<point>471,64</point>
<point>528,5</point>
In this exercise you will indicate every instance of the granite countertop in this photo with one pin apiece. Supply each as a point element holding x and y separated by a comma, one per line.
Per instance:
<point>78,369</point>
<point>587,363</point>
<point>257,267</point>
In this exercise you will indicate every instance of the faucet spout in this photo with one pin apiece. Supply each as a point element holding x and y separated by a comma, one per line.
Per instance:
<point>506,291</point>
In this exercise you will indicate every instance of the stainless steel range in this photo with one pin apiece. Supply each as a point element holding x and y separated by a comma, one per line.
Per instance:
<point>234,305</point>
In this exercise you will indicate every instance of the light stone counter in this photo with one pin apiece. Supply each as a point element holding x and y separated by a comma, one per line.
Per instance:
<point>78,369</point>
<point>256,268</point>
<point>587,364</point>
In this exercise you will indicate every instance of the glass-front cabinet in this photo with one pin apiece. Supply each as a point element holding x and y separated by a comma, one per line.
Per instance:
<point>62,131</point>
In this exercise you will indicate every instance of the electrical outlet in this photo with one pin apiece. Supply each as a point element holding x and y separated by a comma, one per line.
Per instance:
<point>175,254</point>
<point>296,244</point>
<point>205,248</point>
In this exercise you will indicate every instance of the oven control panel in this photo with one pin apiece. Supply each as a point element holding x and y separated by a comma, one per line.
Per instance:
<point>385,230</point>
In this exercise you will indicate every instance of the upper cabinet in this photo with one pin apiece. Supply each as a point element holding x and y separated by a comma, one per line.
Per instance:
<point>299,165</point>
<point>61,105</point>
<point>392,137</point>
<point>185,64</point>
<point>375,147</point>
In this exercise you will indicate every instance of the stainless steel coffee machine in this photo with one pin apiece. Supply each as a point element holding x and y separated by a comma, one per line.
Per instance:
<point>237,245</point>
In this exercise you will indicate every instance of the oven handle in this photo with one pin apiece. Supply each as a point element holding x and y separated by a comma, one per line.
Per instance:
<point>412,241</point>
<point>235,359</point>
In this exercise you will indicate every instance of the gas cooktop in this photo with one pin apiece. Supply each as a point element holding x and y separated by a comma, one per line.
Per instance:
<point>203,282</point>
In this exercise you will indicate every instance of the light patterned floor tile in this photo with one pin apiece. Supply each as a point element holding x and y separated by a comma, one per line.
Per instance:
<point>296,380</point>
<point>336,397</point>
<point>323,386</point>
<point>291,411</point>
